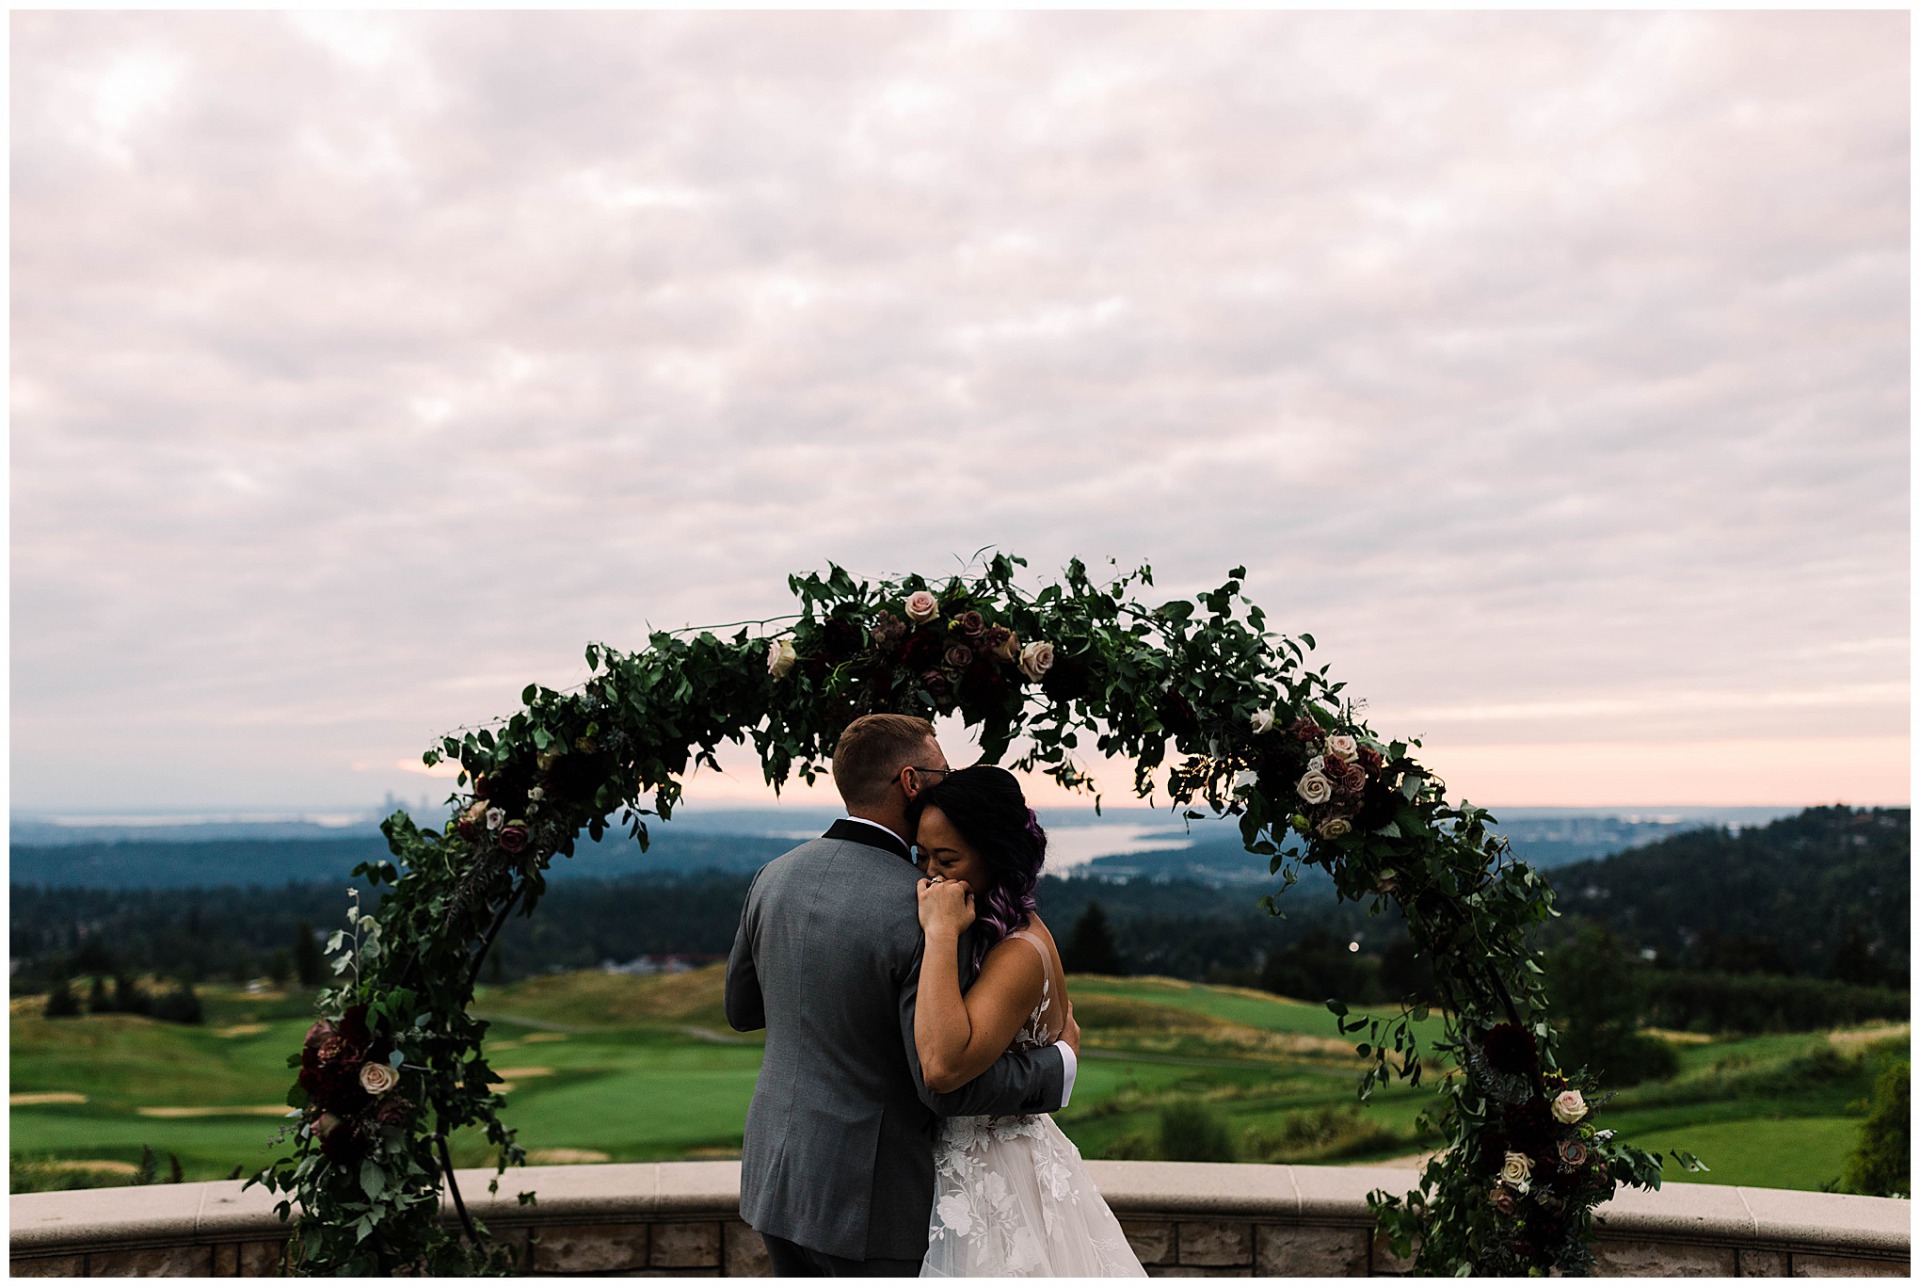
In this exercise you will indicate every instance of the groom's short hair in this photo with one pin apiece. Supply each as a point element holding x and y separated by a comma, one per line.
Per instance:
<point>871,752</point>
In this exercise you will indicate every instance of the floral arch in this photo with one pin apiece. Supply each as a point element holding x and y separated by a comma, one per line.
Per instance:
<point>1235,716</point>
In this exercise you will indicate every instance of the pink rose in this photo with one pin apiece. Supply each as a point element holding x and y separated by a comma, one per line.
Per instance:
<point>378,1078</point>
<point>959,656</point>
<point>921,606</point>
<point>1036,659</point>
<point>1569,1107</point>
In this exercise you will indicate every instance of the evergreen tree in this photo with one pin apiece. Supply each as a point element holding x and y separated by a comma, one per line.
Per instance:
<point>1882,1162</point>
<point>1090,948</point>
<point>1854,960</point>
<point>307,964</point>
<point>182,1005</point>
<point>98,1002</point>
<point>1598,1000</point>
<point>128,996</point>
<point>280,967</point>
<point>61,1003</point>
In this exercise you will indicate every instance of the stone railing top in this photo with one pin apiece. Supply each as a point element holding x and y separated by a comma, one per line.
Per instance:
<point>43,1223</point>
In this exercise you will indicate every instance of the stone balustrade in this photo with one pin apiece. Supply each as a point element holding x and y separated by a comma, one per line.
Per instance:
<point>1184,1219</point>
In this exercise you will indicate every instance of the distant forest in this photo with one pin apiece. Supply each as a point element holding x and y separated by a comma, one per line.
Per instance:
<point>1700,916</point>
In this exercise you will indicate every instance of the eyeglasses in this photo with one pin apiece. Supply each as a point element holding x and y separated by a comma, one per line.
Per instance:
<point>917,769</point>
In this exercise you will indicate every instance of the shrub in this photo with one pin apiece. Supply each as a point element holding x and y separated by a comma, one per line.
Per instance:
<point>1882,1162</point>
<point>1134,1146</point>
<point>1329,1132</point>
<point>1192,1132</point>
<point>61,1003</point>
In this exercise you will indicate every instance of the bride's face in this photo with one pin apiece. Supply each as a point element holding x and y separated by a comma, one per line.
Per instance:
<point>945,852</point>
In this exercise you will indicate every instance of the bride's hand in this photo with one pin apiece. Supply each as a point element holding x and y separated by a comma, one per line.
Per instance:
<point>945,904</point>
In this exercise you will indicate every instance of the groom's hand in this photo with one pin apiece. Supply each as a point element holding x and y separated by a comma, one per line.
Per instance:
<point>1070,1035</point>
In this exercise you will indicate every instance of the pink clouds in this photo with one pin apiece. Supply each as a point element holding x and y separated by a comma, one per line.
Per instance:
<point>1523,357</point>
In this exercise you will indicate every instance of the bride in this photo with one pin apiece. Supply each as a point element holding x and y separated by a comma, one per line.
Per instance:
<point>1012,1197</point>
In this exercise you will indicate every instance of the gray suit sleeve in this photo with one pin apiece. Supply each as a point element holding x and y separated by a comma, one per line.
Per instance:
<point>1027,1081</point>
<point>746,1008</point>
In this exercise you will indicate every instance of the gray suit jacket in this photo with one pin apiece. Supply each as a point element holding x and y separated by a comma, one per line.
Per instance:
<point>838,1154</point>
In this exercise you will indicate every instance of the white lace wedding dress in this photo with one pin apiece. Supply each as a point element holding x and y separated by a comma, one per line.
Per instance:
<point>1012,1199</point>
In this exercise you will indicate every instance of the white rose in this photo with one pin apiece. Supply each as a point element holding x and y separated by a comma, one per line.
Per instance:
<point>1314,788</point>
<point>1318,764</point>
<point>1517,1171</point>
<point>377,1079</point>
<point>1334,828</point>
<point>1245,781</point>
<point>495,817</point>
<point>1262,721</point>
<point>537,794</point>
<point>1569,1107</point>
<point>921,605</point>
<point>1341,746</point>
<point>1036,659</point>
<point>780,657</point>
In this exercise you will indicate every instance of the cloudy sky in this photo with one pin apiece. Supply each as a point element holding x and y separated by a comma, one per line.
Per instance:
<point>1550,368</point>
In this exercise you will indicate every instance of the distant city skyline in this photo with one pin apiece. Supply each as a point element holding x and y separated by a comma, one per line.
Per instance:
<point>1550,368</point>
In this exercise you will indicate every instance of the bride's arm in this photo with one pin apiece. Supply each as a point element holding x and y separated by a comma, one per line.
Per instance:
<point>958,1037</point>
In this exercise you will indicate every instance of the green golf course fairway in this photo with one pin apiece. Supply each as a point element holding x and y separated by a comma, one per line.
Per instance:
<point>645,1068</point>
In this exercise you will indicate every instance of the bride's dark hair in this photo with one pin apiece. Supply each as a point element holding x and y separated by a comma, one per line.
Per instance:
<point>987,807</point>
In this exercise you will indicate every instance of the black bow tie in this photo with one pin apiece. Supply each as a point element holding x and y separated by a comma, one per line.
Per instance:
<point>869,833</point>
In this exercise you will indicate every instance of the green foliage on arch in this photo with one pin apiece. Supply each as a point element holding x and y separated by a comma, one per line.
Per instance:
<point>1218,716</point>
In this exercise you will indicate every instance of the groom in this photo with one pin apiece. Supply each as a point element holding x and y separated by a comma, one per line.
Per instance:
<point>837,1169</point>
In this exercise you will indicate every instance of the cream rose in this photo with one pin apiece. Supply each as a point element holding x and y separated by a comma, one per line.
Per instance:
<point>921,605</point>
<point>1262,721</point>
<point>495,817</point>
<point>1569,1107</point>
<point>1334,828</point>
<point>377,1078</point>
<point>1517,1171</point>
<point>1342,746</point>
<point>780,657</point>
<point>1314,787</point>
<point>1036,659</point>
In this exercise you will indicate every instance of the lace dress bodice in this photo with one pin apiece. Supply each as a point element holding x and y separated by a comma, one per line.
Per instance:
<point>1012,1197</point>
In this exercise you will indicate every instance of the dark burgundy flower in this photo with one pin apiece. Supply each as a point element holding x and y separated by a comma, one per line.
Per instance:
<point>1069,679</point>
<point>344,1143</point>
<point>1305,730</point>
<point>1511,1049</point>
<point>394,1112</point>
<point>924,650</point>
<point>513,836</point>
<point>997,641</point>
<point>937,685</point>
<point>354,1031</point>
<point>1530,1127</point>
<point>971,624</point>
<point>984,682</point>
<point>959,656</point>
<point>1505,1200</point>
<point>1371,760</point>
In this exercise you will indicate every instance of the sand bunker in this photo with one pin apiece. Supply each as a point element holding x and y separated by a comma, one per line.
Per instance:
<point>106,1164</point>
<point>567,1156</point>
<point>523,1073</point>
<point>1867,1036</point>
<point>47,1097</point>
<point>533,1037</point>
<point>235,1110</point>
